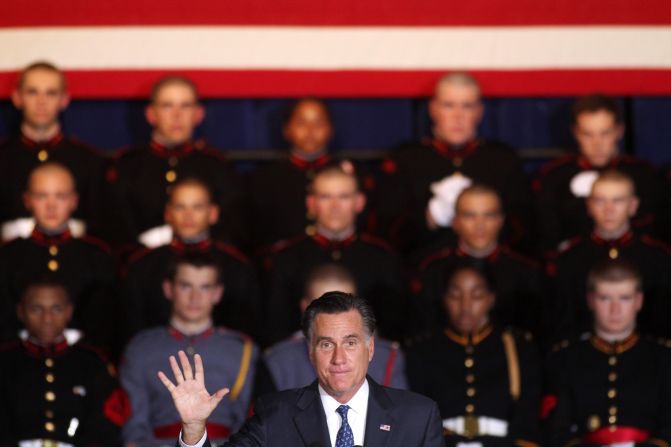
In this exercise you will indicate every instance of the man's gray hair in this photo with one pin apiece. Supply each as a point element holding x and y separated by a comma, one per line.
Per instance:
<point>335,303</point>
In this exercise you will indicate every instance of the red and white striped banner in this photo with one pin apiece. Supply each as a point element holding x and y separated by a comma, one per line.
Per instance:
<point>248,48</point>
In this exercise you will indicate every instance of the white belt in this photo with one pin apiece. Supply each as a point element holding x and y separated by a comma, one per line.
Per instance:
<point>485,426</point>
<point>43,443</point>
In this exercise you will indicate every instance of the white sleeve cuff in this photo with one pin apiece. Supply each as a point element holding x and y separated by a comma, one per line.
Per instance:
<point>199,444</point>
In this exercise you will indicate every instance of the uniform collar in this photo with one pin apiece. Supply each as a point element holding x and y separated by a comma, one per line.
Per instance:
<point>468,339</point>
<point>585,165</point>
<point>325,242</point>
<point>180,246</point>
<point>40,351</point>
<point>303,164</point>
<point>178,151</point>
<point>617,347</point>
<point>179,336</point>
<point>449,151</point>
<point>45,239</point>
<point>492,257</point>
<point>622,241</point>
<point>52,143</point>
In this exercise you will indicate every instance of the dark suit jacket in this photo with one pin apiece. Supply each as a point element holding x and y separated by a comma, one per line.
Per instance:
<point>295,418</point>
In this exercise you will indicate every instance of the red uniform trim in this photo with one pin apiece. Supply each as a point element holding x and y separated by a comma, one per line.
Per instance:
<point>389,369</point>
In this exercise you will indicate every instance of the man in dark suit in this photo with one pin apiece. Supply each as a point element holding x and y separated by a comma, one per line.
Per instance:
<point>343,408</point>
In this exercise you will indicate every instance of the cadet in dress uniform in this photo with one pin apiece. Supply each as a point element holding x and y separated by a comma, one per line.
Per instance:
<point>288,361</point>
<point>420,182</point>
<point>194,287</point>
<point>190,213</point>
<point>518,281</point>
<point>82,264</point>
<point>335,200</point>
<point>486,380</point>
<point>54,390</point>
<point>141,176</point>
<point>41,94</point>
<point>612,387</point>
<point>612,202</point>
<point>562,186</point>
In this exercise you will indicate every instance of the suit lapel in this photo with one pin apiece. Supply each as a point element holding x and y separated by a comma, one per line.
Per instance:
<point>310,419</point>
<point>379,422</point>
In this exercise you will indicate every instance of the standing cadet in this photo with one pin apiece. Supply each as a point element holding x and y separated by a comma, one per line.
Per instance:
<point>141,176</point>
<point>190,212</point>
<point>478,221</point>
<point>288,362</point>
<point>335,200</point>
<point>611,388</point>
<point>82,264</point>
<point>41,94</point>
<point>420,182</point>
<point>54,390</point>
<point>193,286</point>
<point>562,186</point>
<point>611,204</point>
<point>486,380</point>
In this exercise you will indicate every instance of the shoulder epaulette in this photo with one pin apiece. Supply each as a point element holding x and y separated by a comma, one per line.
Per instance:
<point>437,256</point>
<point>86,146</point>
<point>285,243</point>
<point>648,240</point>
<point>232,251</point>
<point>374,240</point>
<point>93,349</point>
<point>98,243</point>
<point>568,244</point>
<point>206,149</point>
<point>140,254</point>
<point>233,333</point>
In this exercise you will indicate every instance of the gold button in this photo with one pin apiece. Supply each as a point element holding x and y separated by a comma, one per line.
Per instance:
<point>469,363</point>
<point>49,414</point>
<point>49,426</point>
<point>336,255</point>
<point>190,350</point>
<point>612,377</point>
<point>53,250</point>
<point>172,161</point>
<point>50,396</point>
<point>470,378</point>
<point>470,408</point>
<point>613,253</point>
<point>612,419</point>
<point>53,265</point>
<point>470,392</point>
<point>49,363</point>
<point>612,361</point>
<point>43,155</point>
<point>612,393</point>
<point>171,176</point>
<point>50,378</point>
<point>612,411</point>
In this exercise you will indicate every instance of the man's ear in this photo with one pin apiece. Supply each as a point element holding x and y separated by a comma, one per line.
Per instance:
<point>620,131</point>
<point>310,204</point>
<point>213,214</point>
<point>167,289</point>
<point>371,347</point>
<point>150,115</point>
<point>633,206</point>
<point>360,202</point>
<point>69,309</point>
<point>65,101</point>
<point>199,116</point>
<point>218,293</point>
<point>639,298</point>
<point>16,99</point>
<point>590,301</point>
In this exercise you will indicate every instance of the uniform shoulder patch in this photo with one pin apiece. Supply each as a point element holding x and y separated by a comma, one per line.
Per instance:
<point>233,334</point>
<point>282,245</point>
<point>435,257</point>
<point>374,240</point>
<point>650,241</point>
<point>98,243</point>
<point>232,251</point>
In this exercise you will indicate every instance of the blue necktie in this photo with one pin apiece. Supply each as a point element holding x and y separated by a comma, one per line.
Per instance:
<point>345,437</point>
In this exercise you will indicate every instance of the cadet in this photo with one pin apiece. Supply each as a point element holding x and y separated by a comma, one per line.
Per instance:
<point>612,387</point>
<point>335,200</point>
<point>486,380</point>
<point>612,203</point>
<point>562,185</point>
<point>478,221</point>
<point>82,264</point>
<point>55,390</point>
<point>190,213</point>
<point>288,361</point>
<point>41,94</point>
<point>193,286</point>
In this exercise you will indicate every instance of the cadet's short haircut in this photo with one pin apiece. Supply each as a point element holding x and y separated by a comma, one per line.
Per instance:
<point>595,103</point>
<point>190,181</point>
<point>51,166</point>
<point>460,78</point>
<point>172,80</point>
<point>343,168</point>
<point>613,175</point>
<point>40,65</point>
<point>45,282</point>
<point>335,303</point>
<point>613,270</point>
<point>328,272</point>
<point>479,188</point>
<point>198,260</point>
<point>289,113</point>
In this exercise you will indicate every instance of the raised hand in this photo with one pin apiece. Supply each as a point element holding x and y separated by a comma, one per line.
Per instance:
<point>194,404</point>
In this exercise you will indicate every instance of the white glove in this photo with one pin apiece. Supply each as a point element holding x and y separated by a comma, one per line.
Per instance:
<point>581,183</point>
<point>445,194</point>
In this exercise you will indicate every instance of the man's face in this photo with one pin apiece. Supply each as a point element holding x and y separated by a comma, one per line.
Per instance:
<point>468,301</point>
<point>340,350</point>
<point>41,98</point>
<point>615,306</point>
<point>611,205</point>
<point>478,220</point>
<point>309,128</point>
<point>597,134</point>
<point>45,312</point>
<point>335,202</point>
<point>51,198</point>
<point>174,114</point>
<point>194,292</point>
<point>190,212</point>
<point>456,111</point>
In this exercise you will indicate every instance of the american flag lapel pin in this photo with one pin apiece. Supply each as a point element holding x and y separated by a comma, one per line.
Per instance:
<point>385,427</point>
